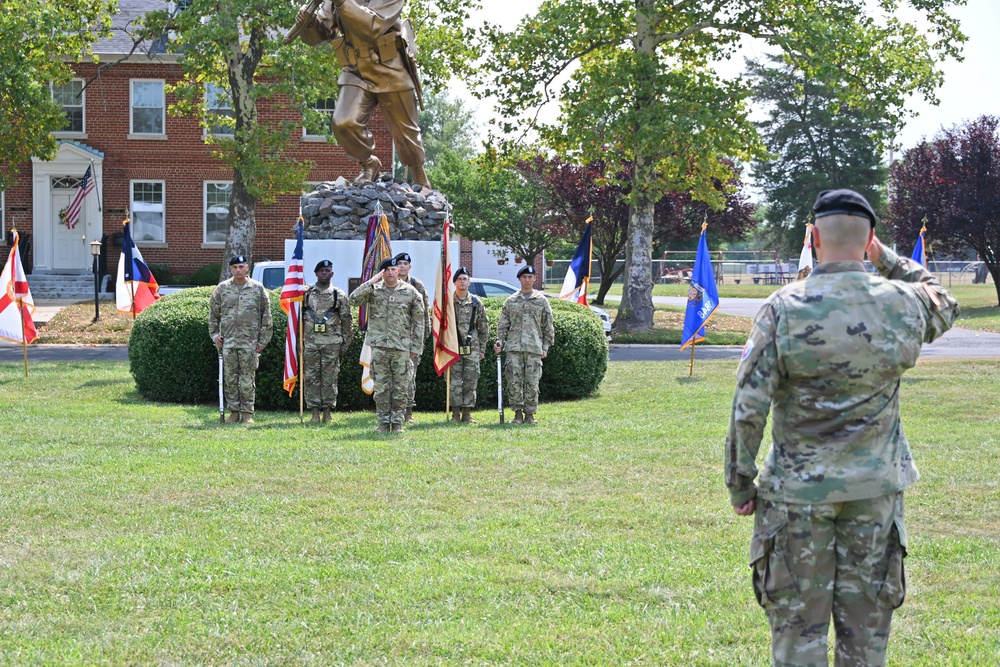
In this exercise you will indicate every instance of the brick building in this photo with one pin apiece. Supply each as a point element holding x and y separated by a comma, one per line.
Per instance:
<point>156,165</point>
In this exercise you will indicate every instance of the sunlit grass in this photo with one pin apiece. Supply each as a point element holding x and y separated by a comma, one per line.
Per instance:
<point>139,533</point>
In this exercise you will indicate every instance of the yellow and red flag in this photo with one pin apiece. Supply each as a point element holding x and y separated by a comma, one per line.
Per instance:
<point>443,321</point>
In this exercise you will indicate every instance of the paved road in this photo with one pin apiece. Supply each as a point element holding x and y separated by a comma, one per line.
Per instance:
<point>956,344</point>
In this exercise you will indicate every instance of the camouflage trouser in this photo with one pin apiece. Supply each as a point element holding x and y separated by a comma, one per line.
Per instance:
<point>524,372</point>
<point>411,387</point>
<point>322,367</point>
<point>464,379</point>
<point>238,370</point>
<point>390,373</point>
<point>841,559</point>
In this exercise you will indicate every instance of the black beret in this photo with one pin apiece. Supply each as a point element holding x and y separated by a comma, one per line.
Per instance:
<point>528,269</point>
<point>402,257</point>
<point>462,271</point>
<point>387,262</point>
<point>323,264</point>
<point>844,202</point>
<point>238,259</point>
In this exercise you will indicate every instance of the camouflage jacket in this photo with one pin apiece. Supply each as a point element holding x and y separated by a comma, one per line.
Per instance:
<point>825,355</point>
<point>330,307</point>
<point>465,310</point>
<point>395,315</point>
<point>419,286</point>
<point>241,313</point>
<point>526,323</point>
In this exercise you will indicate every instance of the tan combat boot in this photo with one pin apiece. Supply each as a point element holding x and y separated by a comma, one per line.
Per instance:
<point>233,417</point>
<point>370,169</point>
<point>456,415</point>
<point>397,428</point>
<point>408,417</point>
<point>382,428</point>
<point>467,416</point>
<point>420,177</point>
<point>315,417</point>
<point>248,418</point>
<point>518,417</point>
<point>326,415</point>
<point>530,419</point>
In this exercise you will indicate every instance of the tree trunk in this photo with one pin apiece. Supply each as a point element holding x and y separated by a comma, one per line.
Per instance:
<point>636,310</point>
<point>242,224</point>
<point>242,219</point>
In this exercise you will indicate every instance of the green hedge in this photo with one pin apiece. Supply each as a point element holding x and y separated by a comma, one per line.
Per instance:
<point>172,358</point>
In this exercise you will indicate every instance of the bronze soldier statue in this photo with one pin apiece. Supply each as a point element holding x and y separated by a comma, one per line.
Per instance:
<point>376,52</point>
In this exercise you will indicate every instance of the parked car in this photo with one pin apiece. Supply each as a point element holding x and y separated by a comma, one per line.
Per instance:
<point>487,287</point>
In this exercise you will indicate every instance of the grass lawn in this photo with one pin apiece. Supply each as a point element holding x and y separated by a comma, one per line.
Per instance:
<point>143,533</point>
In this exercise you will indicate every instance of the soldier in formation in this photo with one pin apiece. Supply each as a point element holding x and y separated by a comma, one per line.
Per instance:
<point>395,334</point>
<point>526,330</point>
<point>403,263</point>
<point>825,356</point>
<point>239,323</point>
<point>327,330</point>
<point>473,331</point>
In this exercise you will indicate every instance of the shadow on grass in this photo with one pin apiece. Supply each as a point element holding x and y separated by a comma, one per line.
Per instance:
<point>107,383</point>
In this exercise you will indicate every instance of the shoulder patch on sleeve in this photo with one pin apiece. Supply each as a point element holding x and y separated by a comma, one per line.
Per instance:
<point>931,294</point>
<point>747,349</point>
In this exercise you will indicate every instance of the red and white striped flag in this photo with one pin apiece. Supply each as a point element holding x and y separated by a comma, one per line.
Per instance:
<point>16,304</point>
<point>291,302</point>
<point>73,210</point>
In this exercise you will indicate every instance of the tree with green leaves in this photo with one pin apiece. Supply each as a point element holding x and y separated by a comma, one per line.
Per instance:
<point>814,143</point>
<point>639,81</point>
<point>503,204</point>
<point>39,39</point>
<point>951,185</point>
<point>447,125</point>
<point>236,47</point>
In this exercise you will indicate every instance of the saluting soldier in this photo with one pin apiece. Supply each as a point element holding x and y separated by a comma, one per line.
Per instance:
<point>239,323</point>
<point>327,330</point>
<point>526,330</point>
<point>473,330</point>
<point>395,334</point>
<point>825,355</point>
<point>403,263</point>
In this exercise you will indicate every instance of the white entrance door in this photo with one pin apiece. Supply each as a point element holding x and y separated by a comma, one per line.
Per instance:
<point>69,249</point>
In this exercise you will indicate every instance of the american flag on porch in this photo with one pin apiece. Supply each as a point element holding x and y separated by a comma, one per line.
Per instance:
<point>73,210</point>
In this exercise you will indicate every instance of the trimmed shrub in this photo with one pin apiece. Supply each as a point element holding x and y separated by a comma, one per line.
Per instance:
<point>162,273</point>
<point>207,275</point>
<point>172,358</point>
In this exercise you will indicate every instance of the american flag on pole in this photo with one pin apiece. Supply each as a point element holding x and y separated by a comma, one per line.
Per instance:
<point>73,210</point>
<point>291,303</point>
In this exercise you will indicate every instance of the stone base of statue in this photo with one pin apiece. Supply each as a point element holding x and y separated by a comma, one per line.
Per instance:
<point>341,209</point>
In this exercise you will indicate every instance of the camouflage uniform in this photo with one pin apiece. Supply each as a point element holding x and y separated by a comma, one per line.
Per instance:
<point>525,332</point>
<point>395,330</point>
<point>465,371</point>
<point>826,355</point>
<point>411,390</point>
<point>242,314</point>
<point>328,308</point>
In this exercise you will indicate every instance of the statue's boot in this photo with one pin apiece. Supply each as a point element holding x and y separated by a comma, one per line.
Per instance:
<point>420,177</point>
<point>370,170</point>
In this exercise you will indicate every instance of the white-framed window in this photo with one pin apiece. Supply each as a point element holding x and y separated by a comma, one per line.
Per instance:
<point>148,107</point>
<point>217,197</point>
<point>70,96</point>
<point>219,106</point>
<point>148,219</point>
<point>320,129</point>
